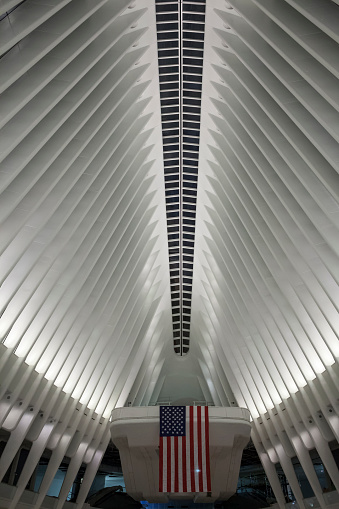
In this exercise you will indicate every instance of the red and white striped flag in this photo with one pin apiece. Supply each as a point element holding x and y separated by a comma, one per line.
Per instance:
<point>184,461</point>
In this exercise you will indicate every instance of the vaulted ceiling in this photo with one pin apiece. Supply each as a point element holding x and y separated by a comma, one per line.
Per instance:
<point>172,238</point>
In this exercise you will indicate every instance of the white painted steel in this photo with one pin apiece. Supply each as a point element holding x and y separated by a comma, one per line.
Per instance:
<point>85,302</point>
<point>135,431</point>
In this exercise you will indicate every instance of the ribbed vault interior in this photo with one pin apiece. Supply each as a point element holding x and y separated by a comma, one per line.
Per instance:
<point>86,317</point>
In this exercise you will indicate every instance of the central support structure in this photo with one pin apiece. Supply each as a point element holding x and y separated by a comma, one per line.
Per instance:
<point>135,431</point>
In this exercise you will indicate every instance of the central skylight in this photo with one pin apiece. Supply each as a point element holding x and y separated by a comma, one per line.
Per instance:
<point>180,34</point>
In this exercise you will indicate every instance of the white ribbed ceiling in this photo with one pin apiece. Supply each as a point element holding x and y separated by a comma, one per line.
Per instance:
<point>84,246</point>
<point>86,313</point>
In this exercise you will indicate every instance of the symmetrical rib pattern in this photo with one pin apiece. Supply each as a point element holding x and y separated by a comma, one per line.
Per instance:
<point>86,311</point>
<point>84,265</point>
<point>267,302</point>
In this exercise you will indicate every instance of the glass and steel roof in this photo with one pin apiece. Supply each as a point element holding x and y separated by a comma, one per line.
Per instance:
<point>180,35</point>
<point>86,234</point>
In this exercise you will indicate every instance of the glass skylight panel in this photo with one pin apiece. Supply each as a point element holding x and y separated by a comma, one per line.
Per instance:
<point>180,32</point>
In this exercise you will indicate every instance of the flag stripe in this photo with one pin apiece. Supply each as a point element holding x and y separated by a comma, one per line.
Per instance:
<point>184,466</point>
<point>204,450</point>
<point>188,456</point>
<point>199,443</point>
<point>180,465</point>
<point>169,466</point>
<point>207,445</point>
<point>196,463</point>
<point>192,450</point>
<point>165,464</point>
<point>176,465</point>
<point>203,455</point>
<point>161,465</point>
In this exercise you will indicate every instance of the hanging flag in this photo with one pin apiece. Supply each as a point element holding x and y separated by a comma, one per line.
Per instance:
<point>184,461</point>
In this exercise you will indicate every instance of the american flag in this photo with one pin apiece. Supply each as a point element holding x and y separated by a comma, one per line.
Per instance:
<point>184,462</point>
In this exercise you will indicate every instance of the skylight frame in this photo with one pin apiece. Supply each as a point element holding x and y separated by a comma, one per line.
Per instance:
<point>180,30</point>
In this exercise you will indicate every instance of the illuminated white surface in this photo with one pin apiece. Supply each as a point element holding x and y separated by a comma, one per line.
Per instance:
<point>85,303</point>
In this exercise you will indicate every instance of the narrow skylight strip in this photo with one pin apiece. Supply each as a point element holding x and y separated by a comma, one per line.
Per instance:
<point>180,33</point>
